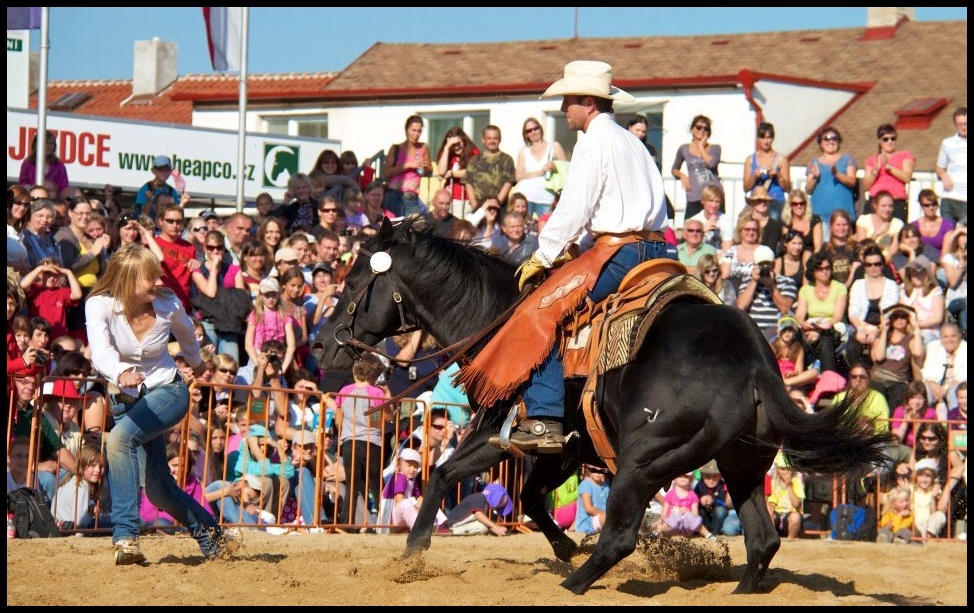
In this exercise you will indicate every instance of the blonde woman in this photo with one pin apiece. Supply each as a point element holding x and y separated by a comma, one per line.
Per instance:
<point>711,277</point>
<point>921,292</point>
<point>797,215</point>
<point>738,260</point>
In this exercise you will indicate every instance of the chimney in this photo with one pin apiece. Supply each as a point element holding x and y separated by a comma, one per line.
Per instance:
<point>888,16</point>
<point>155,67</point>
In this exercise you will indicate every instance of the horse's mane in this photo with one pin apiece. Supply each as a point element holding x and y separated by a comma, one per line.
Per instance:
<point>455,273</point>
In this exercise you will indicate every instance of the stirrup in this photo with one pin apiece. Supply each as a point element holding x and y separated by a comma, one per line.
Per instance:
<point>507,427</point>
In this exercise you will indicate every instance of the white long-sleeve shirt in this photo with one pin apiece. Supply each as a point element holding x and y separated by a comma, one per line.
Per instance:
<point>114,348</point>
<point>613,185</point>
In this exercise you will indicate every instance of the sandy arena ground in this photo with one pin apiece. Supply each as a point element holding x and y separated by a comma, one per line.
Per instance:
<point>520,569</point>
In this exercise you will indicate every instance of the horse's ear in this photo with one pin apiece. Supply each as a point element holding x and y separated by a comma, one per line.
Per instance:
<point>385,228</point>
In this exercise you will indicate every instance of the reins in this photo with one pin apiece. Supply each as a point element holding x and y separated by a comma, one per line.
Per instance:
<point>382,263</point>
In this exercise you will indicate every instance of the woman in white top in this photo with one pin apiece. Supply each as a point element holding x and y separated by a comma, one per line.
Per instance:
<point>129,316</point>
<point>534,160</point>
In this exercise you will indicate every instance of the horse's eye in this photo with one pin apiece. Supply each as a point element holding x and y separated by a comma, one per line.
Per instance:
<point>352,285</point>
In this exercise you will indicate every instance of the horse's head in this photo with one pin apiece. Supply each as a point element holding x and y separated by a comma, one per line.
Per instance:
<point>367,309</point>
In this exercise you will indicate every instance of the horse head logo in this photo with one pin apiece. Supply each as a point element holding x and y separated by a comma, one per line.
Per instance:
<point>280,163</point>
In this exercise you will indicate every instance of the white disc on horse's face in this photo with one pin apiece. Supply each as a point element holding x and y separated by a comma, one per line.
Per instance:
<point>381,262</point>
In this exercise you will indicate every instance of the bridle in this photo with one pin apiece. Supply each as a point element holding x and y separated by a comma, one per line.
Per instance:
<point>381,264</point>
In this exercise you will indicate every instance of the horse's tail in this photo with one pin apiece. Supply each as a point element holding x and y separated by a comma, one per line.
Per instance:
<point>835,440</point>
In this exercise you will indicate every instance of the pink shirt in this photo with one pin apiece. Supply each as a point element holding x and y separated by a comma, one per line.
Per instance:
<point>886,181</point>
<point>272,327</point>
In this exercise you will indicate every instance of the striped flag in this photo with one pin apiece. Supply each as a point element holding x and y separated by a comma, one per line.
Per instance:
<point>24,18</point>
<point>223,36</point>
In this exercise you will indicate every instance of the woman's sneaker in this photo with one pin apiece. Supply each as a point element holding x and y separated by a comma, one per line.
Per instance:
<point>216,542</point>
<point>127,552</point>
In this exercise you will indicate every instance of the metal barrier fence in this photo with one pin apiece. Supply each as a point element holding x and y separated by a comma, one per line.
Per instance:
<point>352,507</point>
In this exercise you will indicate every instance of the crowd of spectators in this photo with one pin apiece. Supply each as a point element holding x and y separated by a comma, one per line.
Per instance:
<point>838,285</point>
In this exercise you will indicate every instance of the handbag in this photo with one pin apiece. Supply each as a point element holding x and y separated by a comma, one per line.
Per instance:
<point>556,180</point>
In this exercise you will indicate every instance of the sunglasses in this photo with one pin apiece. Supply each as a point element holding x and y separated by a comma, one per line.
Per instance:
<point>692,231</point>
<point>229,371</point>
<point>214,247</point>
<point>179,221</point>
<point>437,426</point>
<point>198,229</point>
<point>328,210</point>
<point>700,127</point>
<point>749,229</point>
<point>711,271</point>
<point>928,205</point>
<point>872,264</point>
<point>824,268</point>
<point>798,203</point>
<point>888,139</point>
<point>530,130</point>
<point>832,138</point>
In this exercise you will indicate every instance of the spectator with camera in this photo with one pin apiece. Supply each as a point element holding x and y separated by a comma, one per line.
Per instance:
<point>767,296</point>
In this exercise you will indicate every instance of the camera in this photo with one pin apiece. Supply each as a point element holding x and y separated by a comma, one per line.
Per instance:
<point>274,360</point>
<point>765,272</point>
<point>41,358</point>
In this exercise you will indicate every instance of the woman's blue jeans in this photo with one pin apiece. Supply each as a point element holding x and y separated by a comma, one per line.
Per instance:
<point>226,342</point>
<point>303,484</point>
<point>544,396</point>
<point>142,424</point>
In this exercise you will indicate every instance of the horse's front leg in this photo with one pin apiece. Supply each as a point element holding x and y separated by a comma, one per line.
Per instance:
<point>547,474</point>
<point>471,458</point>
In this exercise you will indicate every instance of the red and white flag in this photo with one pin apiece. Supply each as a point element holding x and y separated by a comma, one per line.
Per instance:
<point>223,36</point>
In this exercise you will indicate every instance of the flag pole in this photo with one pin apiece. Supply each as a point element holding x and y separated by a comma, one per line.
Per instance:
<point>242,134</point>
<point>40,157</point>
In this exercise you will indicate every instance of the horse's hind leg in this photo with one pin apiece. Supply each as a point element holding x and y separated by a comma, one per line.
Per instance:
<point>761,540</point>
<point>546,475</point>
<point>468,460</point>
<point>625,508</point>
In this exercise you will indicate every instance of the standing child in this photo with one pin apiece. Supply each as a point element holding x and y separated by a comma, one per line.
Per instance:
<point>896,523</point>
<point>268,321</point>
<point>681,510</point>
<point>928,520</point>
<point>360,435</point>
<point>47,297</point>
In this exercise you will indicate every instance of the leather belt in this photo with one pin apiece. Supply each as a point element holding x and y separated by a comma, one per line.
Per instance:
<point>613,238</point>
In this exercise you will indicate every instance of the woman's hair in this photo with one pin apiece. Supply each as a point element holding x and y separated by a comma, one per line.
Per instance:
<point>52,157</point>
<point>468,145</point>
<point>872,250</point>
<point>874,201</point>
<point>185,468</point>
<point>765,129</point>
<point>917,388</point>
<point>885,129</point>
<point>70,363</point>
<point>253,246</point>
<point>796,194</point>
<point>825,132</point>
<point>262,230</point>
<point>411,120</point>
<point>225,360</point>
<point>702,119</point>
<point>263,197</point>
<point>926,283</point>
<point>17,193</point>
<point>850,241</point>
<point>814,261</point>
<point>347,157</point>
<point>709,260</point>
<point>928,194</point>
<point>788,351</point>
<point>88,455</point>
<point>42,204</point>
<point>21,323</point>
<point>129,268</point>
<point>533,120</point>
<point>908,231</point>
<point>300,178</point>
<point>742,220</point>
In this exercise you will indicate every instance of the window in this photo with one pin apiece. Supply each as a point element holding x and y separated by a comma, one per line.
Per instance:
<point>296,125</point>
<point>436,125</point>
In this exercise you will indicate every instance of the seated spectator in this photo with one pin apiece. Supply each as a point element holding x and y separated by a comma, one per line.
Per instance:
<point>766,296</point>
<point>593,493</point>
<point>896,522</point>
<point>476,513</point>
<point>17,463</point>
<point>75,504</point>
<point>896,353</point>
<point>692,247</point>
<point>403,493</point>
<point>790,352</point>
<point>182,472</point>
<point>710,275</point>
<point>916,406</point>
<point>716,507</point>
<point>266,458</point>
<point>954,262</point>
<point>786,499</point>
<point>921,292</point>
<point>681,510</point>
<point>564,502</point>
<point>514,244</point>
<point>944,367</point>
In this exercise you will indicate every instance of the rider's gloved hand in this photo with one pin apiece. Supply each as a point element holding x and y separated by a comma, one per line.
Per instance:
<point>570,254</point>
<point>527,270</point>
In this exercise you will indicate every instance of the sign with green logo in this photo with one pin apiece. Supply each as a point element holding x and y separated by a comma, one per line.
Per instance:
<point>958,440</point>
<point>280,164</point>
<point>15,44</point>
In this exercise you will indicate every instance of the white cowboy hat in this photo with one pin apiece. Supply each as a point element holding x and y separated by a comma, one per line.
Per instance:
<point>587,78</point>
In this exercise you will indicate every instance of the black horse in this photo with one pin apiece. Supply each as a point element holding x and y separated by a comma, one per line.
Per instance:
<point>704,385</point>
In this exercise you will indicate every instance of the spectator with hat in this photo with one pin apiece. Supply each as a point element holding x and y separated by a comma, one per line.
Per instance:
<point>268,321</point>
<point>264,460</point>
<point>716,506</point>
<point>284,258</point>
<point>211,218</point>
<point>786,499</point>
<point>770,228</point>
<point>476,514</point>
<point>896,353</point>
<point>145,197</point>
<point>767,296</point>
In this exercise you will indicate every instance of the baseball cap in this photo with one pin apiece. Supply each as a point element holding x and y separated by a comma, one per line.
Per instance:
<point>257,430</point>
<point>269,285</point>
<point>253,481</point>
<point>161,160</point>
<point>920,263</point>
<point>710,468</point>
<point>285,254</point>
<point>320,267</point>
<point>788,322</point>
<point>61,389</point>
<point>762,254</point>
<point>208,214</point>
<point>496,495</point>
<point>411,455</point>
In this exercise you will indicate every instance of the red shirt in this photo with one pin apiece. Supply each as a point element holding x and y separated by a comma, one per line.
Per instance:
<point>51,304</point>
<point>175,274</point>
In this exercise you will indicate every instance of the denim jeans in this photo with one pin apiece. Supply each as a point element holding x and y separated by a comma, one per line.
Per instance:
<point>142,424</point>
<point>228,507</point>
<point>226,342</point>
<point>536,210</point>
<point>544,395</point>
<point>303,486</point>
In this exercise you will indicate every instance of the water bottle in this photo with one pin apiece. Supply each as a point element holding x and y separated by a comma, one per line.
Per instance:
<point>11,528</point>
